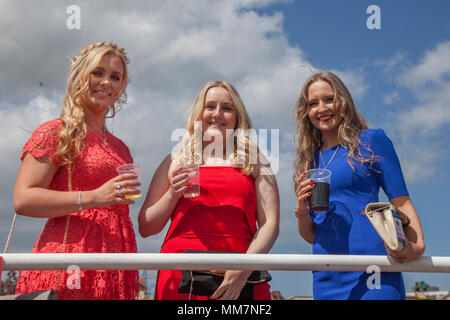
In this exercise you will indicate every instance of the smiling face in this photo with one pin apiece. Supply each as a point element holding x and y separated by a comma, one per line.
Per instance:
<point>105,84</point>
<point>219,112</point>
<point>322,111</point>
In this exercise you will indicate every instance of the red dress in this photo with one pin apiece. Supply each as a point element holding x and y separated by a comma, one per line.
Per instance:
<point>96,230</point>
<point>221,218</point>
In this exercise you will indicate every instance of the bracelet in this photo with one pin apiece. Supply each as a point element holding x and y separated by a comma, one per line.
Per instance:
<point>79,203</point>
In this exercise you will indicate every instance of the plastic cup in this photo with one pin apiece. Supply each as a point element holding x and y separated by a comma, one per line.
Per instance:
<point>319,200</point>
<point>193,185</point>
<point>135,169</point>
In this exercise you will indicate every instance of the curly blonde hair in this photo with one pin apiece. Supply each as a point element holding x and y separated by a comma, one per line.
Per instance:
<point>309,138</point>
<point>73,129</point>
<point>191,144</point>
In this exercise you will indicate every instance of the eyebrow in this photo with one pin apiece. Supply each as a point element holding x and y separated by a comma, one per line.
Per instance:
<point>326,97</point>
<point>214,101</point>
<point>114,71</point>
<point>224,105</point>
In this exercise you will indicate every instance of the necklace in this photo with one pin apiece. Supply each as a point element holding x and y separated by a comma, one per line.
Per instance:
<point>103,139</point>
<point>332,157</point>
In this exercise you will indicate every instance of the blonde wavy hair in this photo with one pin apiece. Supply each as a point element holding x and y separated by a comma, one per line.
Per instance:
<point>309,138</point>
<point>192,142</point>
<point>73,130</point>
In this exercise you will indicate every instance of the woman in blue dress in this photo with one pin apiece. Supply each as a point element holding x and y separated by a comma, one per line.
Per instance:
<point>333,135</point>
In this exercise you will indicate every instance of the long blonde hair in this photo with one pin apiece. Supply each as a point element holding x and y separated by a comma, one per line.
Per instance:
<point>309,138</point>
<point>73,130</point>
<point>191,141</point>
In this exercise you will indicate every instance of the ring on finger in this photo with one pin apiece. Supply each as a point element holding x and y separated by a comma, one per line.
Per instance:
<point>118,187</point>
<point>120,192</point>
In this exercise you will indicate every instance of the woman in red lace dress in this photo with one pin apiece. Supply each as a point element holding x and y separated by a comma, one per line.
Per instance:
<point>238,206</point>
<point>99,214</point>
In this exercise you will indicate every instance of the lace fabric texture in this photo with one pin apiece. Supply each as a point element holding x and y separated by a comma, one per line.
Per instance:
<point>96,230</point>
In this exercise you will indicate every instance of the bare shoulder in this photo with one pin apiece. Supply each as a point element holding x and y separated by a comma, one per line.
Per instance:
<point>36,172</point>
<point>160,179</point>
<point>165,167</point>
<point>262,168</point>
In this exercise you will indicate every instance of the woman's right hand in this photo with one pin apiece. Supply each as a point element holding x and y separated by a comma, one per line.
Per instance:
<point>303,193</point>
<point>178,182</point>
<point>110,193</point>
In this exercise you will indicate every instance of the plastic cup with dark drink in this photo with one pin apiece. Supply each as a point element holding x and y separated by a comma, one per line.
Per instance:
<point>321,191</point>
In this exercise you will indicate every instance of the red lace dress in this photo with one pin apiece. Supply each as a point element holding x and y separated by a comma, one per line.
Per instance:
<point>221,218</point>
<point>96,230</point>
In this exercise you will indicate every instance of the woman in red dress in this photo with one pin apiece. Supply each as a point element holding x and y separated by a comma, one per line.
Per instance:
<point>99,214</point>
<point>238,206</point>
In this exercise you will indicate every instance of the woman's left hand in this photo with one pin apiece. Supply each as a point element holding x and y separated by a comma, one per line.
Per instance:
<point>414,243</point>
<point>232,284</point>
<point>406,255</point>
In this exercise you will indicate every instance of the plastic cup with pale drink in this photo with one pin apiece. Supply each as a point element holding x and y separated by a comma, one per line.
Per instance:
<point>134,169</point>
<point>193,185</point>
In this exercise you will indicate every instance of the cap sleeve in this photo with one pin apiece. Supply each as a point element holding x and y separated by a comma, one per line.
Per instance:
<point>389,172</point>
<point>44,141</point>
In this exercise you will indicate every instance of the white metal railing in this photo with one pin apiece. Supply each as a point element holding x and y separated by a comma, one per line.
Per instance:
<point>195,261</point>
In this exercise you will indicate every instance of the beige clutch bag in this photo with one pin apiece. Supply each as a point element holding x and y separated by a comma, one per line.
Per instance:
<point>388,222</point>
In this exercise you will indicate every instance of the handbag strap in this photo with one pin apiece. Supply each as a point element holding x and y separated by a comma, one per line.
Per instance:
<point>66,229</point>
<point>69,187</point>
<point>8,241</point>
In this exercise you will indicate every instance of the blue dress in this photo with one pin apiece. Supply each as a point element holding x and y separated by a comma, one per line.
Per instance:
<point>344,230</point>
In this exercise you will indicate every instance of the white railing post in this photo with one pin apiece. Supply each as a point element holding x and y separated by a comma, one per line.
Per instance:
<point>170,261</point>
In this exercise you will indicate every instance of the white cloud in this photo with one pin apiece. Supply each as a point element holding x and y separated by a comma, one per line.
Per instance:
<point>17,123</point>
<point>175,47</point>
<point>390,98</point>
<point>429,82</point>
<point>391,64</point>
<point>433,68</point>
<point>354,80</point>
<point>421,127</point>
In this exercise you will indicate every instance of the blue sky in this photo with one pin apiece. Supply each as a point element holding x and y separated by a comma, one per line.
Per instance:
<point>399,76</point>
